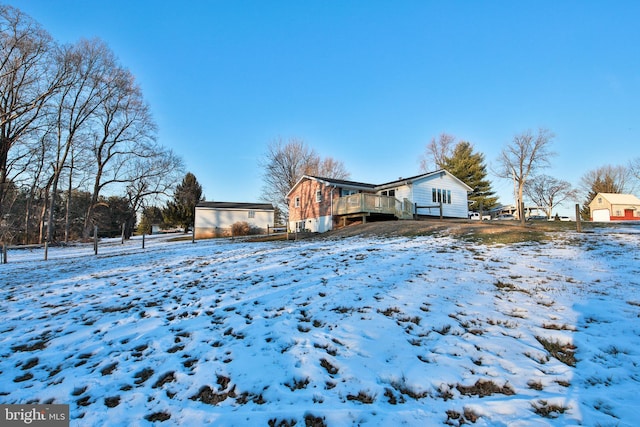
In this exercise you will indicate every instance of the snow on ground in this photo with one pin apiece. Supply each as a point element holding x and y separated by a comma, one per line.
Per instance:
<point>417,331</point>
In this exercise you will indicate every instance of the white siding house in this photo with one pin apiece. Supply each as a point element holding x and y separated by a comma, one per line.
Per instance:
<point>319,204</point>
<point>426,191</point>
<point>215,219</point>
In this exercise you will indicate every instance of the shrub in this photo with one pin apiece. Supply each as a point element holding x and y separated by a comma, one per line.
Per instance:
<point>242,228</point>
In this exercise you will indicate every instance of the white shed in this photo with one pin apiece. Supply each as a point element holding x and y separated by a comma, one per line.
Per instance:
<point>215,219</point>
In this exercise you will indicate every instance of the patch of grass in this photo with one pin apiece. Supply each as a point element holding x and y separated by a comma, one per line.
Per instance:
<point>390,311</point>
<point>535,385</point>
<point>157,416</point>
<point>37,345</point>
<point>362,397</point>
<point>483,388</point>
<point>26,377</point>
<point>30,363</point>
<point>164,378</point>
<point>455,418</point>
<point>548,410</point>
<point>313,421</point>
<point>107,370</point>
<point>331,351</point>
<point>404,389</point>
<point>298,384</point>
<point>506,237</point>
<point>274,422</point>
<point>117,309</point>
<point>207,395</point>
<point>556,327</point>
<point>508,287</point>
<point>565,353</point>
<point>331,370</point>
<point>444,330</point>
<point>142,376</point>
<point>112,402</point>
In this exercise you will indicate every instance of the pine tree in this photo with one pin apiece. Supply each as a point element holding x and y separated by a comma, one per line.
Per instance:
<point>181,210</point>
<point>469,167</point>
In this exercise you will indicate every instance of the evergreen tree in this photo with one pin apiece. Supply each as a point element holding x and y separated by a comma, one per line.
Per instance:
<point>181,210</point>
<point>469,167</point>
<point>150,216</point>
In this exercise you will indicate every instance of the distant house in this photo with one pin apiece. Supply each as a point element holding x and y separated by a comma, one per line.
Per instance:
<point>319,204</point>
<point>215,219</point>
<point>615,207</point>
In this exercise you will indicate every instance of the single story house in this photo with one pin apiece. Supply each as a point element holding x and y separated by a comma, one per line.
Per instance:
<point>215,219</point>
<point>319,204</point>
<point>615,207</point>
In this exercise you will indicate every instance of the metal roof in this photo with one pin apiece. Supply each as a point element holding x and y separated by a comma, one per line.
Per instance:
<point>236,205</point>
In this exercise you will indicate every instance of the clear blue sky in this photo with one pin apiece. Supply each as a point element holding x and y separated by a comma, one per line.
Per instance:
<point>371,82</point>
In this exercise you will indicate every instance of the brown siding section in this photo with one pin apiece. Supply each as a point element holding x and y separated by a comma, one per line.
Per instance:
<point>309,207</point>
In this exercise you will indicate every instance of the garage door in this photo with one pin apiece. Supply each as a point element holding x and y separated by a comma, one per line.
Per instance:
<point>601,215</point>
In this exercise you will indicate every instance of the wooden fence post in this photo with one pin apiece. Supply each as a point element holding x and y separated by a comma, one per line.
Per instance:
<point>143,240</point>
<point>95,240</point>
<point>46,249</point>
<point>578,219</point>
<point>441,213</point>
<point>4,253</point>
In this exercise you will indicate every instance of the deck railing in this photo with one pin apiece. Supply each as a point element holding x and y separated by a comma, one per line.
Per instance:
<point>367,203</point>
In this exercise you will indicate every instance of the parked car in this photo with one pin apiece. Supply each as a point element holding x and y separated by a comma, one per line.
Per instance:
<point>537,218</point>
<point>476,216</point>
<point>505,217</point>
<point>559,218</point>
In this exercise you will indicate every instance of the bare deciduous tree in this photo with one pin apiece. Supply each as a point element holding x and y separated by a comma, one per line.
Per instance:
<point>125,131</point>
<point>605,179</point>
<point>634,170</point>
<point>437,152</point>
<point>28,78</point>
<point>548,192</point>
<point>527,153</point>
<point>286,162</point>
<point>89,64</point>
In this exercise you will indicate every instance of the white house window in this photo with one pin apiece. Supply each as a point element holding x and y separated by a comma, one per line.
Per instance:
<point>297,202</point>
<point>439,195</point>
<point>252,214</point>
<point>318,196</point>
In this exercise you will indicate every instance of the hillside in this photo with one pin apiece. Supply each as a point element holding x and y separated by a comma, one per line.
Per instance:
<point>437,328</point>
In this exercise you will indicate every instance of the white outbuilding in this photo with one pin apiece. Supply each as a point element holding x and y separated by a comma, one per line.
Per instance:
<point>215,219</point>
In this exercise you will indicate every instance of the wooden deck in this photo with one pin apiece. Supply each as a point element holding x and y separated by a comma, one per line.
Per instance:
<point>367,204</point>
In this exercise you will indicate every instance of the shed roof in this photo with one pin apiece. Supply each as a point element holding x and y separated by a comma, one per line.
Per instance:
<point>412,179</point>
<point>337,182</point>
<point>620,199</point>
<point>373,187</point>
<point>236,206</point>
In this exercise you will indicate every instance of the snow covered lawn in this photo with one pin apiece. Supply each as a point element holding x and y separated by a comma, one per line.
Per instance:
<point>355,331</point>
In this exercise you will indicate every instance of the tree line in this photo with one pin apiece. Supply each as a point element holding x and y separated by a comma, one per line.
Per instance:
<point>78,142</point>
